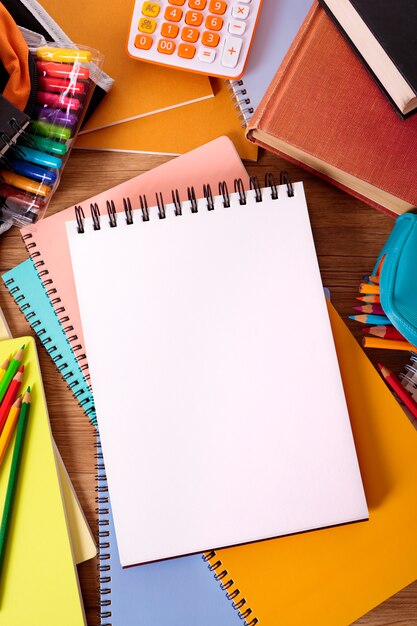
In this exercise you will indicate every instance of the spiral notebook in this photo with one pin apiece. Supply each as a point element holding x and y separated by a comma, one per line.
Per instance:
<point>12,123</point>
<point>213,445</point>
<point>409,380</point>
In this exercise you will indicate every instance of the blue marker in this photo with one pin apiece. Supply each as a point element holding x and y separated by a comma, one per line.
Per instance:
<point>37,157</point>
<point>32,171</point>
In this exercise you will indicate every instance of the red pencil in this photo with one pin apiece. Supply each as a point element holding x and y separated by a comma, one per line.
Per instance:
<point>369,299</point>
<point>395,384</point>
<point>385,332</point>
<point>10,397</point>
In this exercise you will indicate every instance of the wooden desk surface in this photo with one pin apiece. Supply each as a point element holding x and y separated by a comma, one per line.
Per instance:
<point>348,236</point>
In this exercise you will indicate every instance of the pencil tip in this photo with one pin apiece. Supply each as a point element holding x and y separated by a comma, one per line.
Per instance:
<point>380,366</point>
<point>28,390</point>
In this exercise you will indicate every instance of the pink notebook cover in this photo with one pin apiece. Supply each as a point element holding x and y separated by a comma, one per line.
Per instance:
<point>211,163</point>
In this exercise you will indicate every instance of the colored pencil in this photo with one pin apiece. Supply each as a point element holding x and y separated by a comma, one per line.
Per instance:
<point>375,320</point>
<point>9,427</point>
<point>371,279</point>
<point>369,289</point>
<point>10,397</point>
<point>3,368</point>
<point>388,344</point>
<point>10,372</point>
<point>384,332</point>
<point>395,384</point>
<point>370,308</point>
<point>369,299</point>
<point>14,475</point>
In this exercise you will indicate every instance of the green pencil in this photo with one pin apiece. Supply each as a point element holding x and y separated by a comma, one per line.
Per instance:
<point>14,365</point>
<point>13,476</point>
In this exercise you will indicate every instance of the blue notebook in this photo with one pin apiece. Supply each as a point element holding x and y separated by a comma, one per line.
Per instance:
<point>179,591</point>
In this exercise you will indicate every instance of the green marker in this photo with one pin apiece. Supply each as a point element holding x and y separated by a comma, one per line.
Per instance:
<point>15,363</point>
<point>50,130</point>
<point>47,145</point>
<point>14,474</point>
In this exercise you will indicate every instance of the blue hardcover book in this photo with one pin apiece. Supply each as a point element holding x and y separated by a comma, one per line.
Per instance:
<point>176,592</point>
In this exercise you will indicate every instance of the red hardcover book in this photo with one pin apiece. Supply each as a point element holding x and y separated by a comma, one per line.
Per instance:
<point>324,112</point>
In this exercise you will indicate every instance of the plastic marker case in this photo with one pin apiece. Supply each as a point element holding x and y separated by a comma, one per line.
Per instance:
<point>31,169</point>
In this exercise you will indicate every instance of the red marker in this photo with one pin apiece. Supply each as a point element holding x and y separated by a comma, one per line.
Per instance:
<point>10,397</point>
<point>61,85</point>
<point>58,101</point>
<point>63,70</point>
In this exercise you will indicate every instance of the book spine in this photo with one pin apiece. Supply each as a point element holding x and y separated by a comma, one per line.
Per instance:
<point>52,292</point>
<point>228,585</point>
<point>284,72</point>
<point>241,100</point>
<point>103,538</point>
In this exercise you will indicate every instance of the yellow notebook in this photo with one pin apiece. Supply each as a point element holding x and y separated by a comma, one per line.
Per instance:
<point>39,583</point>
<point>331,577</point>
<point>164,133</point>
<point>140,88</point>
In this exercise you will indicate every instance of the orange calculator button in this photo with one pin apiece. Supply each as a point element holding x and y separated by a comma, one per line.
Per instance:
<point>186,51</point>
<point>214,23</point>
<point>190,34</point>
<point>210,39</point>
<point>146,25</point>
<point>172,14</point>
<point>169,30</point>
<point>197,4</point>
<point>192,18</point>
<point>165,46</point>
<point>218,6</point>
<point>151,9</point>
<point>178,3</point>
<point>143,42</point>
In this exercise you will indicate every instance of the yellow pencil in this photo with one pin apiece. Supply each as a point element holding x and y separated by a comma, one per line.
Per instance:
<point>9,427</point>
<point>3,368</point>
<point>369,289</point>
<point>390,344</point>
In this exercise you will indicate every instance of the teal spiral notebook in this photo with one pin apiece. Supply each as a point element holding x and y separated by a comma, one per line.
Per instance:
<point>179,591</point>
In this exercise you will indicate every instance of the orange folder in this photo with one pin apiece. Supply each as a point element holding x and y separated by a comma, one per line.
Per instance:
<point>333,576</point>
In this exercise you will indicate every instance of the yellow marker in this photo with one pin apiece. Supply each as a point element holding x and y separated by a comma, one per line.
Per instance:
<point>146,25</point>
<point>3,368</point>
<point>63,55</point>
<point>150,9</point>
<point>9,427</point>
<point>27,184</point>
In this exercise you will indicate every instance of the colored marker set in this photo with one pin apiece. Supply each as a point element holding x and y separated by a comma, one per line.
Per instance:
<point>30,171</point>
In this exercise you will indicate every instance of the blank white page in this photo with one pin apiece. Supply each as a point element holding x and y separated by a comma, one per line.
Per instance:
<point>218,394</point>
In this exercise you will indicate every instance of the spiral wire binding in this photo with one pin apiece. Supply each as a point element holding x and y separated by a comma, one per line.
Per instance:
<point>239,189</point>
<point>7,141</point>
<point>103,538</point>
<point>82,392</point>
<point>241,100</point>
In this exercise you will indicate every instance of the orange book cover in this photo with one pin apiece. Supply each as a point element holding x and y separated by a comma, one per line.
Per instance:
<point>324,111</point>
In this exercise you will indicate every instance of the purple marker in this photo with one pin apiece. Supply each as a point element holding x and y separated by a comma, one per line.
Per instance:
<point>55,116</point>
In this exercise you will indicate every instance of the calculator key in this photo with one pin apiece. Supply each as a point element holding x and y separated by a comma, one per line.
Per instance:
<point>210,39</point>
<point>147,25</point>
<point>177,3</point>
<point>166,46</point>
<point>173,14</point>
<point>186,51</point>
<point>190,34</point>
<point>150,9</point>
<point>207,56</point>
<point>232,48</point>
<point>169,30</point>
<point>240,10</point>
<point>217,6</point>
<point>143,42</point>
<point>197,4</point>
<point>237,27</point>
<point>193,18</point>
<point>214,23</point>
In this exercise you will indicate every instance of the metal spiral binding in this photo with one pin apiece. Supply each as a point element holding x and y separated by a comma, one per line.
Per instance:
<point>227,584</point>
<point>239,189</point>
<point>409,377</point>
<point>48,283</point>
<point>103,536</point>
<point>241,100</point>
<point>83,393</point>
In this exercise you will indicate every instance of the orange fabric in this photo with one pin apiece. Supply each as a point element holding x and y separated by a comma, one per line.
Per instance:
<point>14,56</point>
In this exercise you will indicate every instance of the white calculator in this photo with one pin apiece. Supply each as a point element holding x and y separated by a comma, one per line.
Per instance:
<point>211,37</point>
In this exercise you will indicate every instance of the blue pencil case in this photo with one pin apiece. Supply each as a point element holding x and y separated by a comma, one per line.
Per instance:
<point>397,268</point>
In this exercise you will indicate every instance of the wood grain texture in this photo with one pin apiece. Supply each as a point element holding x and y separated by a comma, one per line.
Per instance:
<point>348,236</point>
